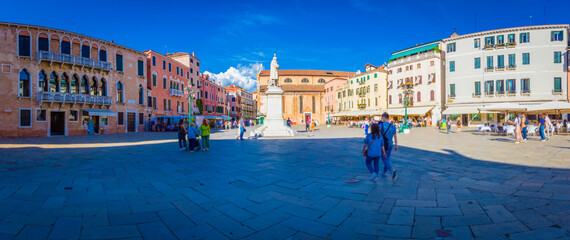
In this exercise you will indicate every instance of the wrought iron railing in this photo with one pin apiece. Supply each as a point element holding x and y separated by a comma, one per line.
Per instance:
<point>174,92</point>
<point>73,98</point>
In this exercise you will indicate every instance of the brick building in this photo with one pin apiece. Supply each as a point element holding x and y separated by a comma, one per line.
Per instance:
<point>58,82</point>
<point>167,80</point>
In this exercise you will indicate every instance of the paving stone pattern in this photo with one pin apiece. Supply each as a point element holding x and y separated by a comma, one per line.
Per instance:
<point>139,186</point>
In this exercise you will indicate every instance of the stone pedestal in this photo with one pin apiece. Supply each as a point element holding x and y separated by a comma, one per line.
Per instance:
<point>274,124</point>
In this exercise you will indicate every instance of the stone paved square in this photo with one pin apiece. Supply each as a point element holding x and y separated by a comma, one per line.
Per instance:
<point>139,186</point>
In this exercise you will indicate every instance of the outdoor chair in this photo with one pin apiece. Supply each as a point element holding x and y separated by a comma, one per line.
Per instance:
<point>510,130</point>
<point>531,129</point>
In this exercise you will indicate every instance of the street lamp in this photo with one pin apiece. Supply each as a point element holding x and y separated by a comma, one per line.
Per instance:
<point>190,91</point>
<point>407,91</point>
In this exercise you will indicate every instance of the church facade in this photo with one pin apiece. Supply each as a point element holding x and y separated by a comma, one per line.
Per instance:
<point>304,93</point>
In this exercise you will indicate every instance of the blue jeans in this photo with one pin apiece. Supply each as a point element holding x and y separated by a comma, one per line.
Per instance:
<point>369,161</point>
<point>524,130</point>
<point>542,132</point>
<point>386,161</point>
<point>241,131</point>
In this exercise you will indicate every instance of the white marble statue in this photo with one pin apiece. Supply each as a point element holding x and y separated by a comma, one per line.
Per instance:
<point>274,72</point>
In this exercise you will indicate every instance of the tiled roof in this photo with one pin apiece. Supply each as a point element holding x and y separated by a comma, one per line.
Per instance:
<point>297,88</point>
<point>309,73</point>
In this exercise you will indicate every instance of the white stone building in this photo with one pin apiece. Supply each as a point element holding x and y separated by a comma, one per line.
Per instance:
<point>526,65</point>
<point>423,67</point>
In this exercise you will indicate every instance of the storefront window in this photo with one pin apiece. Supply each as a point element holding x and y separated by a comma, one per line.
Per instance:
<point>475,117</point>
<point>490,117</point>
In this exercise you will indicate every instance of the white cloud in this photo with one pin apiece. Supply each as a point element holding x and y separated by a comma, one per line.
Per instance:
<point>243,76</point>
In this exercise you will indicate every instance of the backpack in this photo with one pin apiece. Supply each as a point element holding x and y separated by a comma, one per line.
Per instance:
<point>526,122</point>
<point>386,143</point>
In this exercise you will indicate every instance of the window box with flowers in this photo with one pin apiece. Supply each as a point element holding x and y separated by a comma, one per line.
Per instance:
<point>489,46</point>
<point>511,44</point>
<point>500,45</point>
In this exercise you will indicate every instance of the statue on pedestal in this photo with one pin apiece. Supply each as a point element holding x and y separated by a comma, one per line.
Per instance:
<point>274,72</point>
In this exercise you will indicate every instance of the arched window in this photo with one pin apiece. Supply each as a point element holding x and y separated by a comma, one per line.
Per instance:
<point>84,85</point>
<point>305,80</point>
<point>368,89</point>
<point>375,75</point>
<point>141,95</point>
<point>368,77</point>
<point>321,80</point>
<point>119,92</point>
<point>42,81</point>
<point>93,87</point>
<point>53,83</point>
<point>288,80</point>
<point>432,95</point>
<point>419,97</point>
<point>390,99</point>
<point>74,86</point>
<point>64,83</point>
<point>24,83</point>
<point>103,87</point>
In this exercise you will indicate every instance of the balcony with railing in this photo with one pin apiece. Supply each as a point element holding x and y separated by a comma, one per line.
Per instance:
<point>58,97</point>
<point>525,92</point>
<point>74,60</point>
<point>177,93</point>
<point>489,69</point>
<point>512,67</point>
<point>500,68</point>
<point>557,91</point>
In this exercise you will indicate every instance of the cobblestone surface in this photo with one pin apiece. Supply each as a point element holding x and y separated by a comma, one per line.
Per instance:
<point>137,186</point>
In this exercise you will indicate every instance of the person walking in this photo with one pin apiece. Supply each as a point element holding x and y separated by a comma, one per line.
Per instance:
<point>390,141</point>
<point>458,124</point>
<point>524,124</point>
<point>205,135</point>
<point>241,129</point>
<point>373,149</point>
<point>192,134</point>
<point>518,129</point>
<point>366,125</point>
<point>541,124</point>
<point>448,126</point>
<point>307,125</point>
<point>548,127</point>
<point>182,136</point>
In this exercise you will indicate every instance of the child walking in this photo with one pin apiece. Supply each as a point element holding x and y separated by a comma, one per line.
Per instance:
<point>205,134</point>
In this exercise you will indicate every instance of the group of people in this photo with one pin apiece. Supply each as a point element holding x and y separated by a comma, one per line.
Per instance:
<point>163,127</point>
<point>521,123</point>
<point>191,134</point>
<point>445,124</point>
<point>379,144</point>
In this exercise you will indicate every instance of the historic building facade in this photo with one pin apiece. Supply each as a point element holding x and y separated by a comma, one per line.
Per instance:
<point>167,79</point>
<point>526,65</point>
<point>332,96</point>
<point>58,82</point>
<point>365,91</point>
<point>304,92</point>
<point>422,68</point>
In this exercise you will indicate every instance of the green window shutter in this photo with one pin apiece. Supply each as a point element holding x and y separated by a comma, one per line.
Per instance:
<point>557,84</point>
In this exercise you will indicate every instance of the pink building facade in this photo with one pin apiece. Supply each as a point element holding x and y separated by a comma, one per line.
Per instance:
<point>330,99</point>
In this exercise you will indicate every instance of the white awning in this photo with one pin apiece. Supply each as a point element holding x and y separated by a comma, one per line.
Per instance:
<point>411,111</point>
<point>504,107</point>
<point>93,112</point>
<point>550,106</point>
<point>464,110</point>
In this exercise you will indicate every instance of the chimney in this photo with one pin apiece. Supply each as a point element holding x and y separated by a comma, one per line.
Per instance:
<point>193,54</point>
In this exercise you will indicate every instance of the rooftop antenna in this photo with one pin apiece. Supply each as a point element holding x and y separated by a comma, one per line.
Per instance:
<point>530,20</point>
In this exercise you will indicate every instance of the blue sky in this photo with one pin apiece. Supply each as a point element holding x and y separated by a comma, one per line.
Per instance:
<point>305,34</point>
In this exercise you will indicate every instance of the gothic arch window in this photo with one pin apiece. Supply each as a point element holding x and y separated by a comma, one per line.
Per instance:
<point>314,110</point>
<point>93,87</point>
<point>119,92</point>
<point>84,85</point>
<point>74,86</point>
<point>141,95</point>
<point>42,81</point>
<point>390,99</point>
<point>53,82</point>
<point>305,80</point>
<point>419,96</point>
<point>301,104</point>
<point>288,80</point>
<point>24,83</point>
<point>432,95</point>
<point>321,80</point>
<point>103,87</point>
<point>64,83</point>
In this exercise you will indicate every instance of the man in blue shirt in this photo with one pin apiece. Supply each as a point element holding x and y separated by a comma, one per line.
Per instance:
<point>388,132</point>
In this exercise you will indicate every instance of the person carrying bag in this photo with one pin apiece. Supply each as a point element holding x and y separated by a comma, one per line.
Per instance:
<point>373,149</point>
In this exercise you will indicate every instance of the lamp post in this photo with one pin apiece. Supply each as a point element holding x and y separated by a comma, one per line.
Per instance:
<point>407,91</point>
<point>190,91</point>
